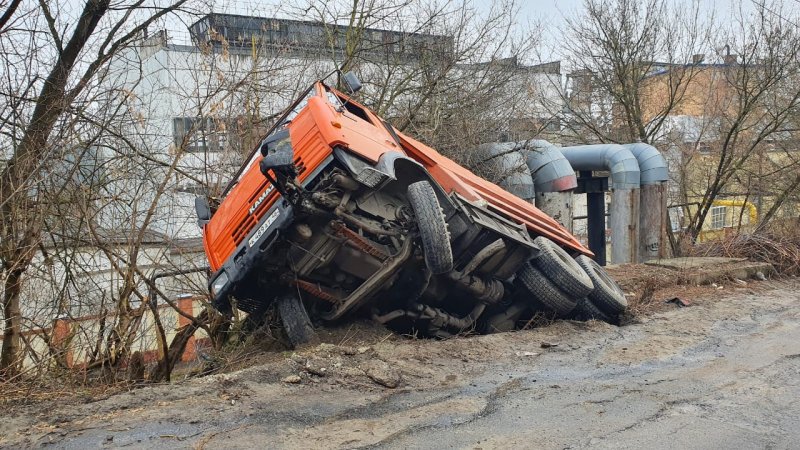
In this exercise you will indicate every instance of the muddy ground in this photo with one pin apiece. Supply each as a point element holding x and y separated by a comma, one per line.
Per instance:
<point>723,373</point>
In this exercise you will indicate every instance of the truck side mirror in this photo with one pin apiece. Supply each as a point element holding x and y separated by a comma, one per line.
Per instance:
<point>278,158</point>
<point>202,209</point>
<point>352,82</point>
<point>278,154</point>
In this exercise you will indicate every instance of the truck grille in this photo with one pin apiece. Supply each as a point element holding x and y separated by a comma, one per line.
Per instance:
<point>244,227</point>
<point>250,220</point>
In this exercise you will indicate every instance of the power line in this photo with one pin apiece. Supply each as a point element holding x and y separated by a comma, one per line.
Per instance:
<point>762,4</point>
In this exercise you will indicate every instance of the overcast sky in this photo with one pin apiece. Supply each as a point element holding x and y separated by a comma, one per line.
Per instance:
<point>551,11</point>
<point>551,14</point>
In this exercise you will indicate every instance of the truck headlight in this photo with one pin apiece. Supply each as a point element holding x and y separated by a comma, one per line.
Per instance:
<point>219,283</point>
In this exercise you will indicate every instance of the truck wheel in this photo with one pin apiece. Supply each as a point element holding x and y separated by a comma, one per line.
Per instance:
<point>295,319</point>
<point>607,295</point>
<point>586,310</point>
<point>543,290</point>
<point>432,227</point>
<point>563,271</point>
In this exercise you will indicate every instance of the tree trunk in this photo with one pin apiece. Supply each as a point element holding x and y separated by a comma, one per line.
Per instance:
<point>10,360</point>
<point>163,370</point>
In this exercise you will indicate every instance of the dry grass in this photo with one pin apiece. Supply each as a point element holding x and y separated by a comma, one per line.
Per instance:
<point>778,245</point>
<point>644,301</point>
<point>647,288</point>
<point>23,392</point>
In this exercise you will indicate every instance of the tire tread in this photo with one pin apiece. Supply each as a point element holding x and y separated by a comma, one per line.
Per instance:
<point>607,295</point>
<point>544,290</point>
<point>295,320</point>
<point>432,227</point>
<point>558,265</point>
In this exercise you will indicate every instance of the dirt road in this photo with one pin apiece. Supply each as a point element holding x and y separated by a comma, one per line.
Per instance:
<point>724,373</point>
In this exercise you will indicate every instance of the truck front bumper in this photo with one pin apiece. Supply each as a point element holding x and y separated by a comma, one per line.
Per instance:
<point>249,253</point>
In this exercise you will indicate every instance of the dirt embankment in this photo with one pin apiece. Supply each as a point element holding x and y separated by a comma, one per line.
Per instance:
<point>365,386</point>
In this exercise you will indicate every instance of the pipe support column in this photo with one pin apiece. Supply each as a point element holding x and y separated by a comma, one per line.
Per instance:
<point>623,221</point>
<point>557,205</point>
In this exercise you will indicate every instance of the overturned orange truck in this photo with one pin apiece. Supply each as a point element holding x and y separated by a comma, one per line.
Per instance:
<point>337,213</point>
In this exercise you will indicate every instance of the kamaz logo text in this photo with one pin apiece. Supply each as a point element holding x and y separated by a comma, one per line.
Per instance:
<point>260,200</point>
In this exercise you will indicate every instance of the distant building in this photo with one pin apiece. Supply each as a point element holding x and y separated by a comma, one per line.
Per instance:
<point>305,39</point>
<point>693,135</point>
<point>183,91</point>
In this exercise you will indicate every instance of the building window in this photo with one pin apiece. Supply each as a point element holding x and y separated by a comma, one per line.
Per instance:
<point>718,216</point>
<point>199,134</point>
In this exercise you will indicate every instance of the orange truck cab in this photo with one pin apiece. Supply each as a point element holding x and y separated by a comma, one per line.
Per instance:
<point>337,212</point>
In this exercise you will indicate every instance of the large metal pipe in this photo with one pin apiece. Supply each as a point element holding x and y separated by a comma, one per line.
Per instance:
<point>553,178</point>
<point>519,163</point>
<point>503,161</point>
<point>635,167</point>
<point>625,181</point>
<point>550,169</point>
<point>652,165</point>
<point>652,201</point>
<point>614,158</point>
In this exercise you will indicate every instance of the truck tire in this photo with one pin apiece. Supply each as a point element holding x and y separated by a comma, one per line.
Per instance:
<point>563,271</point>
<point>586,310</point>
<point>543,290</point>
<point>295,320</point>
<point>607,295</point>
<point>432,227</point>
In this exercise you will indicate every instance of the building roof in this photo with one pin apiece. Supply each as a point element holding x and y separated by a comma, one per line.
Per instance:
<point>311,37</point>
<point>117,237</point>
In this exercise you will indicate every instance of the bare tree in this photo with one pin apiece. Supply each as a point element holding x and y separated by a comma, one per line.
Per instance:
<point>71,48</point>
<point>116,226</point>
<point>749,108</point>
<point>612,48</point>
<point>442,71</point>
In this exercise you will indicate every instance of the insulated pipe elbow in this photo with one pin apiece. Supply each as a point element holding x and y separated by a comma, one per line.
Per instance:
<point>508,165</point>
<point>652,165</point>
<point>615,158</point>
<point>550,169</point>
